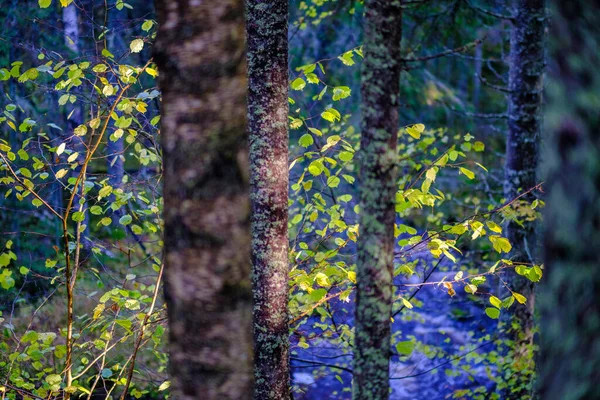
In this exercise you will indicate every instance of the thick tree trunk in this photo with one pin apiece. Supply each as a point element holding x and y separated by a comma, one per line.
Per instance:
<point>569,302</point>
<point>524,129</point>
<point>267,27</point>
<point>378,185</point>
<point>201,55</point>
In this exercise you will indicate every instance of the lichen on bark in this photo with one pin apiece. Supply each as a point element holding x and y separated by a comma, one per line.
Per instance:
<point>380,92</point>
<point>267,29</point>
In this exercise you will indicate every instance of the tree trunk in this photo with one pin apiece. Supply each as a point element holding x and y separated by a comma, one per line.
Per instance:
<point>520,174</point>
<point>569,303</point>
<point>378,185</point>
<point>267,27</point>
<point>201,56</point>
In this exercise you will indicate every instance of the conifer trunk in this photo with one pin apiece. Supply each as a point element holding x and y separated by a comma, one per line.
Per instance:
<point>267,28</point>
<point>378,185</point>
<point>200,51</point>
<point>569,302</point>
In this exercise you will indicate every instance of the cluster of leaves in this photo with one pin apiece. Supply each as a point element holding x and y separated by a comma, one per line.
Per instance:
<point>108,261</point>
<point>324,215</point>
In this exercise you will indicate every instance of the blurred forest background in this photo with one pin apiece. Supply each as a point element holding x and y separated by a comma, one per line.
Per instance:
<point>81,256</point>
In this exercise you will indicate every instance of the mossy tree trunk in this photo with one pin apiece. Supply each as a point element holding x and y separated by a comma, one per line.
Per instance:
<point>267,29</point>
<point>569,301</point>
<point>200,51</point>
<point>526,76</point>
<point>378,185</point>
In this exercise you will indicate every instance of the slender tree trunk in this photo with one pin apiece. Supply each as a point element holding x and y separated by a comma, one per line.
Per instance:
<point>569,300</point>
<point>477,77</point>
<point>378,185</point>
<point>520,174</point>
<point>201,55</point>
<point>115,166</point>
<point>267,28</point>
<point>71,26</point>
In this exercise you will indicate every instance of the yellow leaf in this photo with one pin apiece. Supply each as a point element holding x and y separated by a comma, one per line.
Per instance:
<point>61,173</point>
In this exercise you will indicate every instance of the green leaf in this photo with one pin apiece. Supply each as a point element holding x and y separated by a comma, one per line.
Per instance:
<point>125,219</point>
<point>44,3</point>
<point>164,386</point>
<point>470,288</point>
<point>520,298</point>
<point>469,174</point>
<point>322,279</point>
<point>500,244</point>
<point>306,140</point>
<point>298,84</point>
<point>333,181</point>
<point>347,58</point>
<point>352,276</point>
<point>96,210</point>
<point>105,221</point>
<point>125,323</point>
<point>316,295</point>
<point>81,130</point>
<point>496,302</point>
<point>147,25</point>
<point>405,348</point>
<point>54,379</point>
<point>108,90</point>
<point>413,132</point>
<point>30,336</point>
<point>316,167</point>
<point>331,115</point>
<point>534,274</point>
<point>341,92</point>
<point>78,216</point>
<point>25,172</point>
<point>493,226</point>
<point>136,45</point>
<point>315,131</point>
<point>493,313</point>
<point>346,156</point>
<point>507,302</point>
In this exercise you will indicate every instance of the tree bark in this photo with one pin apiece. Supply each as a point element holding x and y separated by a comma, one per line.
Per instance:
<point>200,51</point>
<point>568,301</point>
<point>267,28</point>
<point>380,92</point>
<point>526,75</point>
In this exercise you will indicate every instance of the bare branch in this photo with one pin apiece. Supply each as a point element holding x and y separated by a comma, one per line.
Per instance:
<point>491,85</point>
<point>488,12</point>
<point>461,49</point>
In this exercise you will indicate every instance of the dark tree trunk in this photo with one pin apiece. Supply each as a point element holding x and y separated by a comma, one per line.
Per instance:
<point>267,27</point>
<point>200,51</point>
<point>569,303</point>
<point>527,65</point>
<point>378,185</point>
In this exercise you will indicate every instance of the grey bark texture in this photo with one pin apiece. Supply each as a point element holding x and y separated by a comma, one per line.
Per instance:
<point>267,29</point>
<point>526,77</point>
<point>200,52</point>
<point>569,300</point>
<point>380,91</point>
